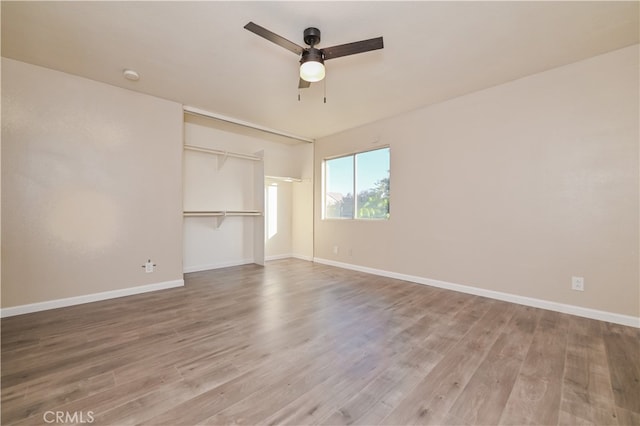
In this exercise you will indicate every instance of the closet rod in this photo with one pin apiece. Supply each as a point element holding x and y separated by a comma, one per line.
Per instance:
<point>213,213</point>
<point>197,111</point>
<point>219,152</point>
<point>284,178</point>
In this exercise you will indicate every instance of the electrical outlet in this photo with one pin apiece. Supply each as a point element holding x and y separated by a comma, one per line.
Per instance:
<point>149,266</point>
<point>335,250</point>
<point>577,283</point>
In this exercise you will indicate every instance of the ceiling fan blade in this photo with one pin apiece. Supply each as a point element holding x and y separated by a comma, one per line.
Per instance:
<point>303,84</point>
<point>352,48</point>
<point>274,38</point>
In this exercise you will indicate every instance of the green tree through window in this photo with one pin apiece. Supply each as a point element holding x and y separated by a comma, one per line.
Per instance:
<point>374,203</point>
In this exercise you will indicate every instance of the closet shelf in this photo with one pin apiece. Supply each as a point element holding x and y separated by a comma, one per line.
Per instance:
<point>218,213</point>
<point>284,178</point>
<point>224,154</point>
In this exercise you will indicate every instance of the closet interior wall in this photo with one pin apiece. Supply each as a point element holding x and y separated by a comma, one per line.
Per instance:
<point>225,185</point>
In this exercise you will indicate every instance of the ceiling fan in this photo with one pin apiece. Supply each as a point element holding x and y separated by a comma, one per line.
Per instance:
<point>311,58</point>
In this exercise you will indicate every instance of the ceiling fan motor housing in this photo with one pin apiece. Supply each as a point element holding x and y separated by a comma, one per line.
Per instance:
<point>311,36</point>
<point>312,54</point>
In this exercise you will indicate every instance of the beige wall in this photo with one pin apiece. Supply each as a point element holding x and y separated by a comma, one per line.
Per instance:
<point>91,186</point>
<point>514,189</point>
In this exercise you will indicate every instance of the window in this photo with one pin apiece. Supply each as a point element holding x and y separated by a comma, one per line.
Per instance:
<point>365,174</point>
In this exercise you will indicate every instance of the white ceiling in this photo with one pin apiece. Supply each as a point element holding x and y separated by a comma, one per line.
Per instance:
<point>198,54</point>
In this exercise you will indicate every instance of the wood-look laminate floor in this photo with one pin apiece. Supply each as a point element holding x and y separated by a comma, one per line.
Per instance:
<point>302,343</point>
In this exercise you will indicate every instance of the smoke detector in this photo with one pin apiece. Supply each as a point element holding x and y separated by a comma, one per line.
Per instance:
<point>131,75</point>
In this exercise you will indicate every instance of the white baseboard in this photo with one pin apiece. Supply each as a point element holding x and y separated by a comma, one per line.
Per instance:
<point>290,256</point>
<point>507,297</point>
<point>218,265</point>
<point>302,257</point>
<point>87,298</point>
<point>278,257</point>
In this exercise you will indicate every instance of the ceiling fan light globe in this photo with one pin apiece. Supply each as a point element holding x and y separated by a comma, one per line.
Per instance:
<point>312,71</point>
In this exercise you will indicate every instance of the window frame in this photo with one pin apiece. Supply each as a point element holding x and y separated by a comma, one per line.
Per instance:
<point>355,196</point>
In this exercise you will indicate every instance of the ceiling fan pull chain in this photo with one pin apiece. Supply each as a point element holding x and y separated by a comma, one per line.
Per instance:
<point>325,90</point>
